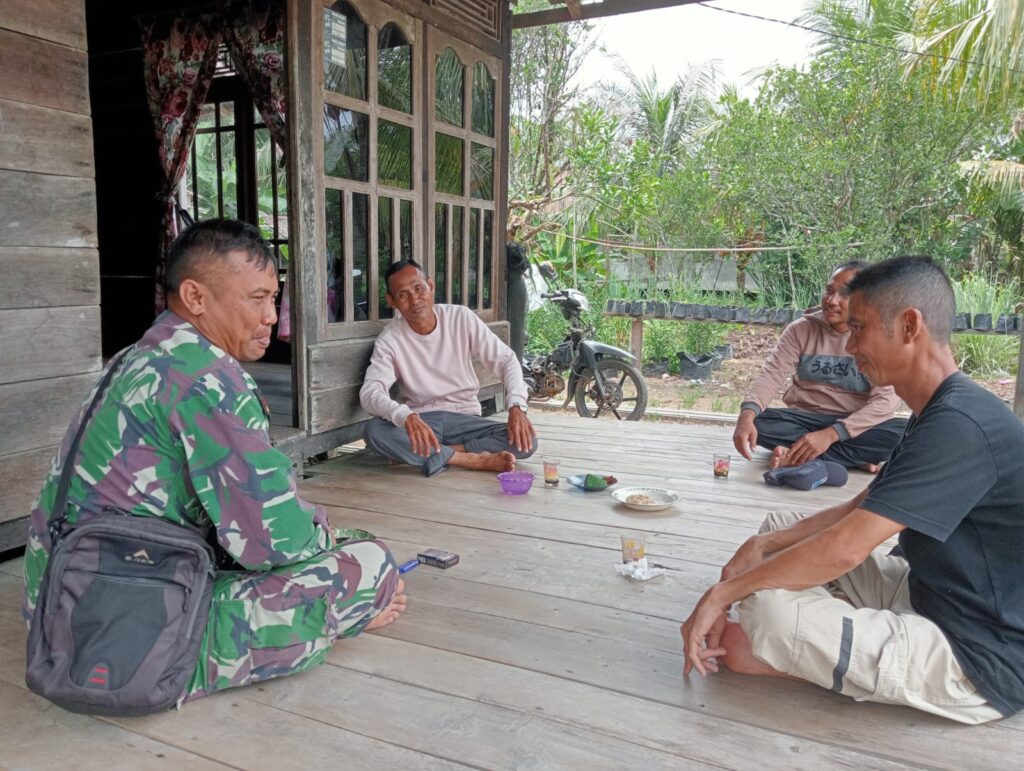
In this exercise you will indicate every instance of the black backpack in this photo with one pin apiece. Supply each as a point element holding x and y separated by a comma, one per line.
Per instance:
<point>122,607</point>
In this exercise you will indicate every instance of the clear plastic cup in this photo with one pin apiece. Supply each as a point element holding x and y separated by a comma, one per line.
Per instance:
<point>550,472</point>
<point>720,464</point>
<point>633,546</point>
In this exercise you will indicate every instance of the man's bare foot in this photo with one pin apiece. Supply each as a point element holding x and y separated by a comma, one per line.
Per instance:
<point>392,611</point>
<point>871,468</point>
<point>740,656</point>
<point>779,455</point>
<point>484,461</point>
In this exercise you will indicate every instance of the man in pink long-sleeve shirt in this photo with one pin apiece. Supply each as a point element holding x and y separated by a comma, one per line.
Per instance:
<point>832,411</point>
<point>428,351</point>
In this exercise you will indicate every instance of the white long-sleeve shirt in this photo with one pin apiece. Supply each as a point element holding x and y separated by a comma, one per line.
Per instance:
<point>435,371</point>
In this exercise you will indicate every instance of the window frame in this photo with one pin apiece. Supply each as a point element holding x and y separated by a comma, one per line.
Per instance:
<point>376,16</point>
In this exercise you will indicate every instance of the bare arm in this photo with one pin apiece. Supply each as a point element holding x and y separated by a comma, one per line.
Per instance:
<point>757,548</point>
<point>818,558</point>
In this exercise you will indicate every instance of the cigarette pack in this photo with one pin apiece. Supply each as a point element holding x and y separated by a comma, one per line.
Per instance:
<point>438,558</point>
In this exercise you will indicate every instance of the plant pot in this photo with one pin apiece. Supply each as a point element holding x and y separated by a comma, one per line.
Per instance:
<point>719,313</point>
<point>695,366</point>
<point>655,368</point>
<point>759,315</point>
<point>961,322</point>
<point>724,351</point>
<point>677,310</point>
<point>742,314</point>
<point>983,322</point>
<point>655,308</point>
<point>636,308</point>
<point>1004,323</point>
<point>699,311</point>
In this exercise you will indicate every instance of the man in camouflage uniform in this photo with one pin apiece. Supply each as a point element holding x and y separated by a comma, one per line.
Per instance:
<point>182,434</point>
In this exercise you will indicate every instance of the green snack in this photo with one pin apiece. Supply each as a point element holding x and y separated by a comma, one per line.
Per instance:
<point>594,482</point>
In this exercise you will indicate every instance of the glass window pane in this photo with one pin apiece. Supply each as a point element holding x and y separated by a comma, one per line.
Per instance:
<point>385,252</point>
<point>281,192</point>
<point>335,226</point>
<point>265,193</point>
<point>344,51</point>
<point>394,154</point>
<point>394,70</point>
<point>458,214</point>
<point>361,255</point>
<point>474,256</point>
<point>440,252</point>
<point>450,80</point>
<point>481,172</point>
<point>448,164</point>
<point>483,100</point>
<point>227,114</point>
<point>228,176</point>
<point>205,149</point>
<point>486,257</point>
<point>207,117</point>
<point>346,143</point>
<point>405,228</point>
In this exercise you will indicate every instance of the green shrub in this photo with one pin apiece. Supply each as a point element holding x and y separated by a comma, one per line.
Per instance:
<point>986,356</point>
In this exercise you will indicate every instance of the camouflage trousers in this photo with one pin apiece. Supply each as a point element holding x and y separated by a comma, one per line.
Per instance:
<point>284,620</point>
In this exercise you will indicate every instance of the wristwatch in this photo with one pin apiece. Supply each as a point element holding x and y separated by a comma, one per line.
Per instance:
<point>522,407</point>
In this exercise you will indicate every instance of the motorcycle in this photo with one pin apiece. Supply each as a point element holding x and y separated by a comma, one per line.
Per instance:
<point>603,379</point>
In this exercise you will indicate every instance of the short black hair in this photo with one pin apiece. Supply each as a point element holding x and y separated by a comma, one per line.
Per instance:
<point>212,240</point>
<point>909,281</point>
<point>394,267</point>
<point>857,265</point>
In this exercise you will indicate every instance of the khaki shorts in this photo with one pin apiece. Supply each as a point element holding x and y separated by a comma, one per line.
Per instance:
<point>873,647</point>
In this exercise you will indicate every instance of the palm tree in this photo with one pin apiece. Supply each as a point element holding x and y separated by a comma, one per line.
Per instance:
<point>973,47</point>
<point>672,121</point>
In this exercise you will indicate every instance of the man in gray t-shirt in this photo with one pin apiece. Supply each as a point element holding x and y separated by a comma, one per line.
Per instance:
<point>941,629</point>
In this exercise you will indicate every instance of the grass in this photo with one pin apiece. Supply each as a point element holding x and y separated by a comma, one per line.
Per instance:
<point>690,396</point>
<point>987,356</point>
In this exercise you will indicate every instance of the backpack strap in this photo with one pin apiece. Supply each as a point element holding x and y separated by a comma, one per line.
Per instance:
<point>59,516</point>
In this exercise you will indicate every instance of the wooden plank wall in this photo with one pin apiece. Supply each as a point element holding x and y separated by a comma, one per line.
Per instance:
<point>49,266</point>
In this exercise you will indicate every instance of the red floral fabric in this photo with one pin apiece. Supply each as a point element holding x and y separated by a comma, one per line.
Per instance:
<point>179,55</point>
<point>255,40</point>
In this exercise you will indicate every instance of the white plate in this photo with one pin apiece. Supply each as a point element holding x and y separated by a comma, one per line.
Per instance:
<point>662,498</point>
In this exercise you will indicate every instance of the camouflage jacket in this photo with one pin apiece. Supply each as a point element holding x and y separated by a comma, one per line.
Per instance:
<point>182,434</point>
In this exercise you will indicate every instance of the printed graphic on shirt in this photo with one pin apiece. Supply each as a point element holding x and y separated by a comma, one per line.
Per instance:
<point>837,371</point>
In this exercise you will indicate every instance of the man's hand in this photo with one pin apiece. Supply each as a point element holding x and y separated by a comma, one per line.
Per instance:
<point>751,553</point>
<point>810,446</point>
<point>702,634</point>
<point>520,430</point>
<point>744,438</point>
<point>421,436</point>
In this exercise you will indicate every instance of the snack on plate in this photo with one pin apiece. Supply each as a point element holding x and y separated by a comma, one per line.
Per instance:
<point>640,498</point>
<point>597,482</point>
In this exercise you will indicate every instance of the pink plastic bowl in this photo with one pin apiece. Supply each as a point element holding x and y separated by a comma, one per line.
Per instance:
<point>515,482</point>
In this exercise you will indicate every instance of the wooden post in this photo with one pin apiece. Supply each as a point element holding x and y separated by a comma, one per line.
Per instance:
<point>636,339</point>
<point>1018,391</point>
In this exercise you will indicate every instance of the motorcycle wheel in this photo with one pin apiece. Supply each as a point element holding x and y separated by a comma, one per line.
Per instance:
<point>625,392</point>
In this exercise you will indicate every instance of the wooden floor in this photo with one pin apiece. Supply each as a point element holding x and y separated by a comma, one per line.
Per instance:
<point>531,653</point>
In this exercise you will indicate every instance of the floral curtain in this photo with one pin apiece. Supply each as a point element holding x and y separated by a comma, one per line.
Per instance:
<point>255,41</point>
<point>179,55</point>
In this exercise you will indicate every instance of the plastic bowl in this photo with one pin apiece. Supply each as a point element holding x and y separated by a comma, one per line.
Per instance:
<point>515,482</point>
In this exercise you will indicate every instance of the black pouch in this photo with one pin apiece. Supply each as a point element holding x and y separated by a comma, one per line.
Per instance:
<point>122,607</point>
<point>121,613</point>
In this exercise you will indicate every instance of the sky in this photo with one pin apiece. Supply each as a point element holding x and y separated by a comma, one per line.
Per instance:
<point>670,39</point>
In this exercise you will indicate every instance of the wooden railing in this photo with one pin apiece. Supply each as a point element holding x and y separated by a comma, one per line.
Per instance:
<point>666,310</point>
